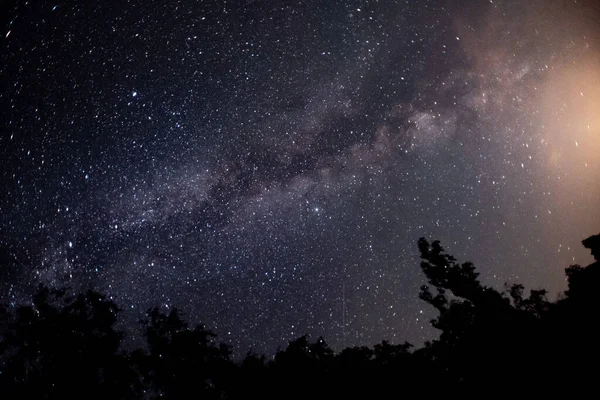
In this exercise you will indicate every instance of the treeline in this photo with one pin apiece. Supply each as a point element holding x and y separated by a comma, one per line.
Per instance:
<point>492,342</point>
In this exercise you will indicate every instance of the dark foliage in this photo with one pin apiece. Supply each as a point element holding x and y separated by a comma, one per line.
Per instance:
<point>181,360</point>
<point>65,346</point>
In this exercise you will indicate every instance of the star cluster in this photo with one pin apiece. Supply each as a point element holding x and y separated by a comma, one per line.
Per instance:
<point>267,166</point>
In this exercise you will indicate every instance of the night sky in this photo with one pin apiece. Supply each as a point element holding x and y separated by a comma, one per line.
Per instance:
<point>265,165</point>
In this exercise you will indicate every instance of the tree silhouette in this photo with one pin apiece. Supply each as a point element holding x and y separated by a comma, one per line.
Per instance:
<point>574,326</point>
<point>64,347</point>
<point>182,360</point>
<point>483,331</point>
<point>303,369</point>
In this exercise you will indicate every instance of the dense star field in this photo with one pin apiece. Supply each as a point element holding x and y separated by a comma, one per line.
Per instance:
<point>268,166</point>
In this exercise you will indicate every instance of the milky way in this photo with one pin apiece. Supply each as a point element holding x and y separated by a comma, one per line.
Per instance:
<point>268,166</point>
